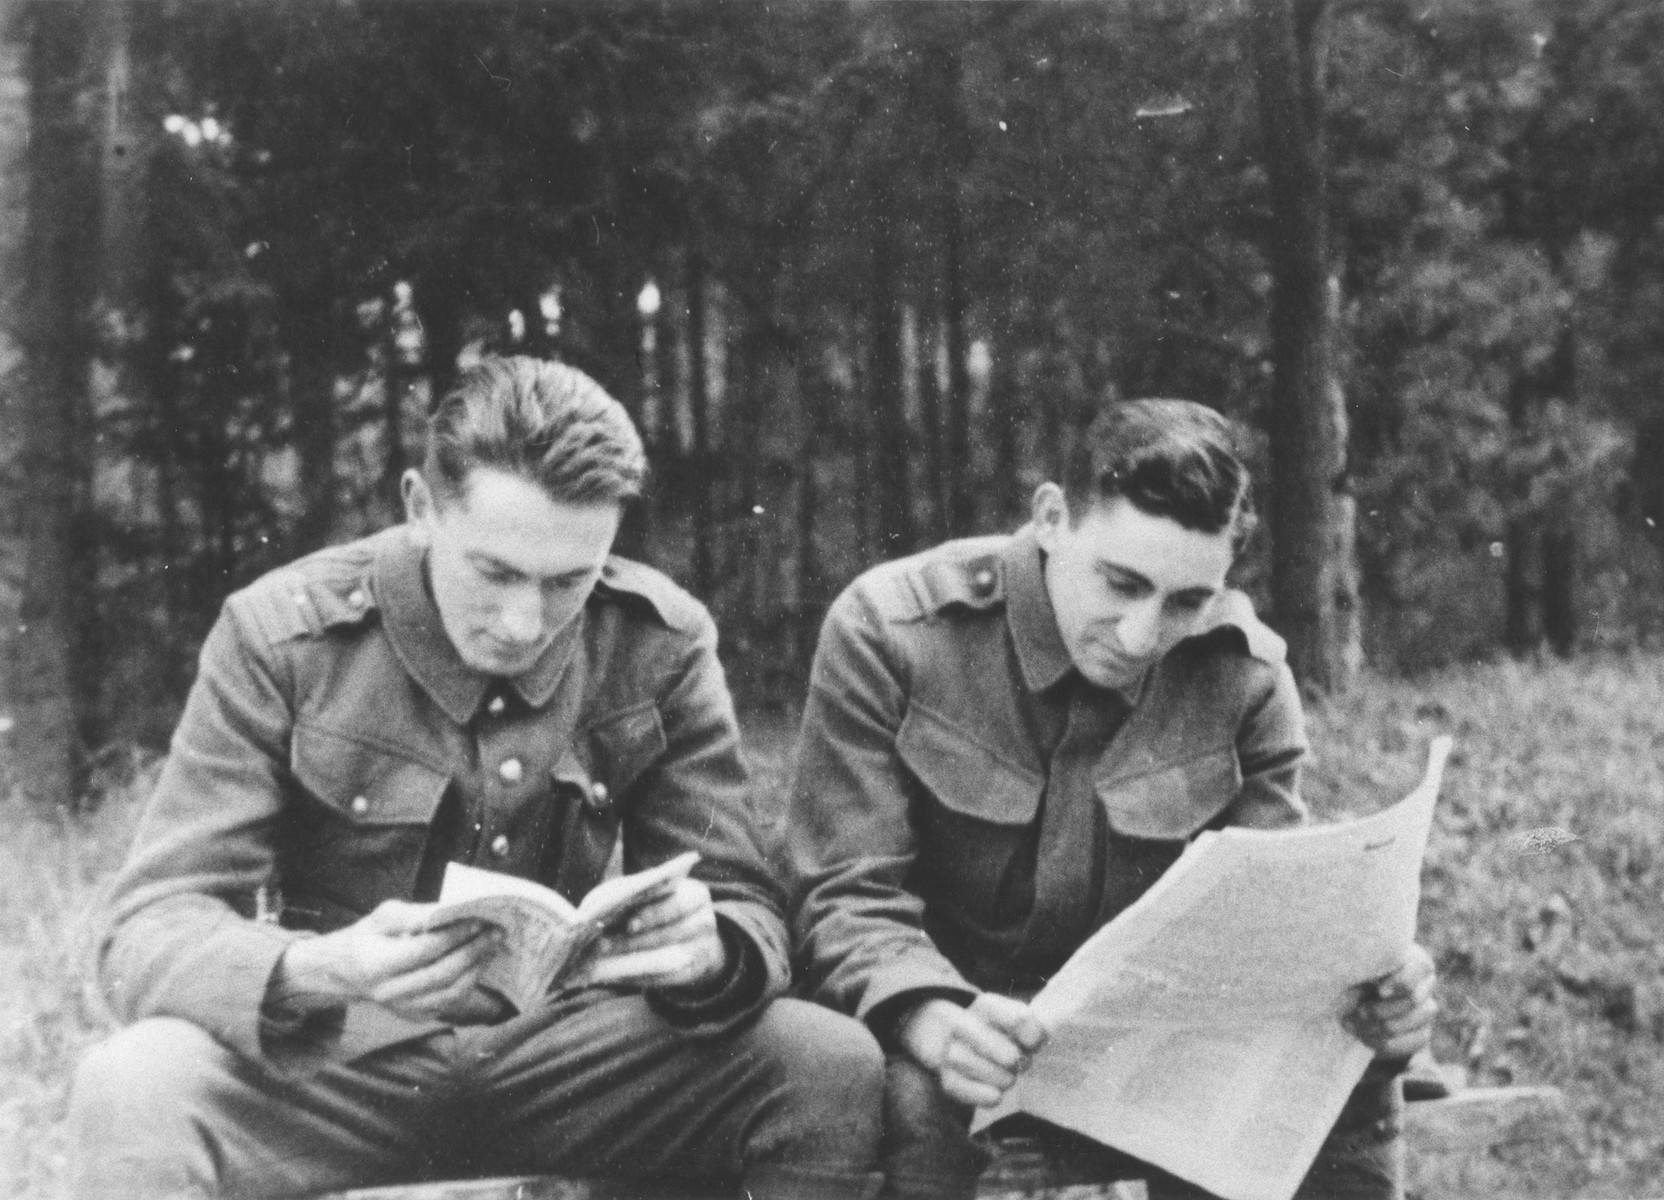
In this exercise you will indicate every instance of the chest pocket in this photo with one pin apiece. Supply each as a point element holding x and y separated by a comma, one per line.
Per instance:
<point>593,793</point>
<point>974,813</point>
<point>625,744</point>
<point>962,774</point>
<point>1174,800</point>
<point>360,833</point>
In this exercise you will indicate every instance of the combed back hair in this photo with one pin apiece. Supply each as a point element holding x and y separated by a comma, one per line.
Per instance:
<point>1169,458</point>
<point>546,422</point>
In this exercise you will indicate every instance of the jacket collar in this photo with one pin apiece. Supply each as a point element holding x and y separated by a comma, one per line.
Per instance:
<point>424,648</point>
<point>1041,654</point>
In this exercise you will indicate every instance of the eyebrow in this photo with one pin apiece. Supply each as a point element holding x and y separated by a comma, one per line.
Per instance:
<point>1192,593</point>
<point>486,560</point>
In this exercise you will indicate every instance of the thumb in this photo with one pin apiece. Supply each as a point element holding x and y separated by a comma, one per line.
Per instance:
<point>399,916</point>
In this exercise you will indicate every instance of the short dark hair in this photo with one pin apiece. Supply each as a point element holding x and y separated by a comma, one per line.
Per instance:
<point>546,422</point>
<point>1169,458</point>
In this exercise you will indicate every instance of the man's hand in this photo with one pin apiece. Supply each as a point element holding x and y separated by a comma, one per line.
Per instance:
<point>976,1052</point>
<point>1393,1015</point>
<point>670,942</point>
<point>391,958</point>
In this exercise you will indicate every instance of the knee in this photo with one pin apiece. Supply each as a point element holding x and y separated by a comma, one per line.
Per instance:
<point>826,1059</point>
<point>139,1076</point>
<point>826,1051</point>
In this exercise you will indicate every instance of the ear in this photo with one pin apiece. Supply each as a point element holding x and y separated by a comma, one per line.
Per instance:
<point>1049,510</point>
<point>420,508</point>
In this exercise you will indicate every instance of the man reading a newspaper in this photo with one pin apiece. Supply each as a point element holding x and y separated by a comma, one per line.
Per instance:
<point>484,684</point>
<point>1007,740</point>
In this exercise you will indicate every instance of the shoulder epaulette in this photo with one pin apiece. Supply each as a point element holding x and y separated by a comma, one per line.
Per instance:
<point>967,574</point>
<point>1233,611</point>
<point>639,585</point>
<point>326,590</point>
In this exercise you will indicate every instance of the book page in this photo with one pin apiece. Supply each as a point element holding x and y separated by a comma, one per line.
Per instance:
<point>544,935</point>
<point>613,898</point>
<point>463,883</point>
<point>1200,1029</point>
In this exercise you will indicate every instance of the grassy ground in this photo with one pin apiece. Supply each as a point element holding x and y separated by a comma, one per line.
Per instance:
<point>1550,945</point>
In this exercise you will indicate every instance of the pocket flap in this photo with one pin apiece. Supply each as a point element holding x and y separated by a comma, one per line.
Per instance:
<point>962,774</point>
<point>626,744</point>
<point>1174,800</point>
<point>366,784</point>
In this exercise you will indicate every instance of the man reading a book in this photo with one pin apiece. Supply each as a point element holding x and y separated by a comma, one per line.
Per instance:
<point>1007,740</point>
<point>486,685</point>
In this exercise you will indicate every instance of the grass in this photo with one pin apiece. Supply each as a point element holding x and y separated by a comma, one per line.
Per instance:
<point>1549,947</point>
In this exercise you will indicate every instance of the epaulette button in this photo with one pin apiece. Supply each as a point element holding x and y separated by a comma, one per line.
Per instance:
<point>983,581</point>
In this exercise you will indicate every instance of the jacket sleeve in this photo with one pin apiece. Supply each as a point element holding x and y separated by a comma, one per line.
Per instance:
<point>697,796</point>
<point>1271,747</point>
<point>181,941</point>
<point>849,841</point>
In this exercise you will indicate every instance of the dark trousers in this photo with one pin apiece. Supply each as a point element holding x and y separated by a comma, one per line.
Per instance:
<point>929,1153</point>
<point>597,1084</point>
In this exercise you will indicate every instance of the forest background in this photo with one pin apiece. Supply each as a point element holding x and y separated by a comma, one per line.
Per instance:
<point>862,272</point>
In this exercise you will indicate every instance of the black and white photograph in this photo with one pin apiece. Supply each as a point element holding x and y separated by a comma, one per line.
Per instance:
<point>832,600</point>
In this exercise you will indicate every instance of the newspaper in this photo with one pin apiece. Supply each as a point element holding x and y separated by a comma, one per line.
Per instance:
<point>1200,1031</point>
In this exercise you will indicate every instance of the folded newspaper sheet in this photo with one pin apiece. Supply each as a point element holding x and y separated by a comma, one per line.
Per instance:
<point>1200,1030</point>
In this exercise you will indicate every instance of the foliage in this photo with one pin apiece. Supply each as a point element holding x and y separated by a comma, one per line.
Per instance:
<point>926,241</point>
<point>1547,949</point>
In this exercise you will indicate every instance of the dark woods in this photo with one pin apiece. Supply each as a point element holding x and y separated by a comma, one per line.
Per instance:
<point>860,271</point>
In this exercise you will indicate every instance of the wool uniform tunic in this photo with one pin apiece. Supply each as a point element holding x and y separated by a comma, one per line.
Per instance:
<point>967,809</point>
<point>335,753</point>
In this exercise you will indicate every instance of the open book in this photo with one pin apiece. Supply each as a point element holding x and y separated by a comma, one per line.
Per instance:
<point>1200,1029</point>
<point>546,937</point>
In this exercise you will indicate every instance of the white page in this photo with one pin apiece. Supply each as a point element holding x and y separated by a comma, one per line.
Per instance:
<point>1200,1031</point>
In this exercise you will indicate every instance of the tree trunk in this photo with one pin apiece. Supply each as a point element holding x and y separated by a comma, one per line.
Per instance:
<point>311,331</point>
<point>48,637</point>
<point>886,396</point>
<point>1542,567</point>
<point>699,404</point>
<point>1314,573</point>
<point>395,384</point>
<point>1005,416</point>
<point>439,300</point>
<point>956,404</point>
<point>940,82</point>
<point>938,470</point>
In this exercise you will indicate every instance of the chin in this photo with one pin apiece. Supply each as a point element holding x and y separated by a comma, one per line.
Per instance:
<point>1112,676</point>
<point>496,663</point>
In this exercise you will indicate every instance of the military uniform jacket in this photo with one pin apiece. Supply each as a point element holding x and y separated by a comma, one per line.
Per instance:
<point>967,809</point>
<point>335,751</point>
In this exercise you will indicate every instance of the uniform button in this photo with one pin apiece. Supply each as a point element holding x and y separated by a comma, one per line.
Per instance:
<point>599,798</point>
<point>511,770</point>
<point>358,598</point>
<point>360,805</point>
<point>496,705</point>
<point>499,845</point>
<point>983,581</point>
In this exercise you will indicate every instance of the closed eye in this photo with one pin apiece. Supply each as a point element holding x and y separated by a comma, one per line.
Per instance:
<point>499,575</point>
<point>563,583</point>
<point>1126,586</point>
<point>1189,602</point>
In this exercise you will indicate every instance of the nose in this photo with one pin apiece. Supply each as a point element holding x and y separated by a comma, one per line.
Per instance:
<point>522,615</point>
<point>1139,630</point>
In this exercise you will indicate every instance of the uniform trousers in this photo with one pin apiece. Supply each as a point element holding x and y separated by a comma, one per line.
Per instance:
<point>595,1084</point>
<point>929,1153</point>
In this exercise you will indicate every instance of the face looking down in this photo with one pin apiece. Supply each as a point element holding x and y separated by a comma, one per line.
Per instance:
<point>510,567</point>
<point>1126,586</point>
